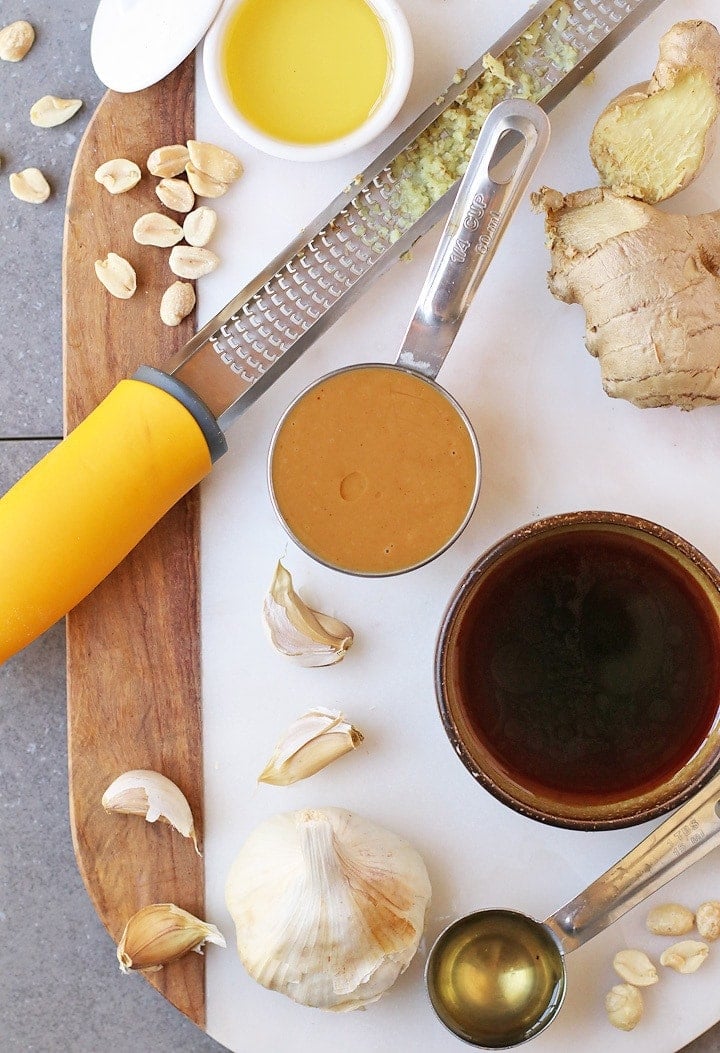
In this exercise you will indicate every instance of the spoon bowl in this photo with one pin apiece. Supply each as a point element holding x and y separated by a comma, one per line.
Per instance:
<point>497,978</point>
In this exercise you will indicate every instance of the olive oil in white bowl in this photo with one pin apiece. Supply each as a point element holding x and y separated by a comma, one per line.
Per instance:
<point>309,81</point>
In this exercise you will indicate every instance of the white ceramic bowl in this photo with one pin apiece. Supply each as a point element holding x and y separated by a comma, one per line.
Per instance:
<point>400,47</point>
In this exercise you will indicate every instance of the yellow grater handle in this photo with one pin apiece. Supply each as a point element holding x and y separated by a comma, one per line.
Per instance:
<point>67,523</point>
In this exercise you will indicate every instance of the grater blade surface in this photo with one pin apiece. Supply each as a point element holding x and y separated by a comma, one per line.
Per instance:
<point>268,325</point>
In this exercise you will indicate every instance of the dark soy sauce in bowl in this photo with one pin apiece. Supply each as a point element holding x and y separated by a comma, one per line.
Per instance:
<point>584,672</point>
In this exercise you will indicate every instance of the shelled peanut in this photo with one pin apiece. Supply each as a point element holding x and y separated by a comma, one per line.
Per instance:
<point>624,1002</point>
<point>31,185</point>
<point>183,172</point>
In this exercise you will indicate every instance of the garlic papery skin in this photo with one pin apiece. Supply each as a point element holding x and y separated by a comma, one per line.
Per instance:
<point>296,630</point>
<point>162,933</point>
<point>311,742</point>
<point>329,908</point>
<point>153,796</point>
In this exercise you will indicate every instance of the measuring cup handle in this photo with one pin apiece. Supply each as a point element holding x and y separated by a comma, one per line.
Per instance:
<point>688,835</point>
<point>478,219</point>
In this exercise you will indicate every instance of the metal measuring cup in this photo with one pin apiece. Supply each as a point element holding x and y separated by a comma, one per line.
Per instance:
<point>479,216</point>
<point>497,978</point>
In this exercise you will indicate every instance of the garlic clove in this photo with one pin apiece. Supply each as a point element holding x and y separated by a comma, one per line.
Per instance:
<point>154,797</point>
<point>311,742</point>
<point>160,934</point>
<point>298,631</point>
<point>329,908</point>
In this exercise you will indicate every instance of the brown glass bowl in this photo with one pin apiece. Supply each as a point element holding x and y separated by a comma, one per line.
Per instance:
<point>534,798</point>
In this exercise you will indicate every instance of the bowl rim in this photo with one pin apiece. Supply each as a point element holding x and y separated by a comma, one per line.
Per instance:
<point>400,45</point>
<point>617,815</point>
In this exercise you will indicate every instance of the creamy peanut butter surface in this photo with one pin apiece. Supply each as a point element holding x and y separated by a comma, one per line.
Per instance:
<point>374,470</point>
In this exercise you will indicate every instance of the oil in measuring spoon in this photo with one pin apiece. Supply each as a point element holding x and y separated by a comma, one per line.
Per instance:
<point>496,978</point>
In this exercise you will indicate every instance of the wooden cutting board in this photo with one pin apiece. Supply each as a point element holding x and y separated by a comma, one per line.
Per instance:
<point>133,650</point>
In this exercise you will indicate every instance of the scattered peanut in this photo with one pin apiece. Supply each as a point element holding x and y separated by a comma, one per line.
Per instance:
<point>154,228</point>
<point>686,956</point>
<point>213,161</point>
<point>189,262</point>
<point>119,175</point>
<point>168,161</point>
<point>177,303</point>
<point>30,185</point>
<point>210,170</point>
<point>635,968</point>
<point>49,111</point>
<point>176,194</point>
<point>16,40</point>
<point>199,226</point>
<point>707,919</point>
<point>203,184</point>
<point>670,919</point>
<point>117,275</point>
<point>624,1006</point>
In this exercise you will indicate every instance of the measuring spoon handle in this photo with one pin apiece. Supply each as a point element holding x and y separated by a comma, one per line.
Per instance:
<point>476,223</point>
<point>688,835</point>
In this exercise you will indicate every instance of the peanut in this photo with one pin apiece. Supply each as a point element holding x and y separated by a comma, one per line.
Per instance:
<point>168,161</point>
<point>670,919</point>
<point>175,194</point>
<point>16,40</point>
<point>199,226</point>
<point>49,111</point>
<point>154,228</point>
<point>624,1006</point>
<point>117,275</point>
<point>213,161</point>
<point>686,956</point>
<point>118,175</point>
<point>30,185</point>
<point>177,303</point>
<point>635,968</point>
<point>189,262</point>
<point>707,919</point>
<point>203,184</point>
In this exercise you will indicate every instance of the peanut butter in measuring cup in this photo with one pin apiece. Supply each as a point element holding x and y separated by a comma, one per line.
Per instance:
<point>375,469</point>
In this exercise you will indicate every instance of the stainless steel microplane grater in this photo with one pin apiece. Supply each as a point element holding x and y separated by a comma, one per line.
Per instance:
<point>85,505</point>
<point>269,324</point>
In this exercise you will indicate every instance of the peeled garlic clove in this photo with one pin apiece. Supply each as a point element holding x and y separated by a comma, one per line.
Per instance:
<point>329,908</point>
<point>297,630</point>
<point>312,742</point>
<point>154,797</point>
<point>160,934</point>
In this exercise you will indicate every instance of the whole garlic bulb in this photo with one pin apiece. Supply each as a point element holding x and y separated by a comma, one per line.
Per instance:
<point>329,908</point>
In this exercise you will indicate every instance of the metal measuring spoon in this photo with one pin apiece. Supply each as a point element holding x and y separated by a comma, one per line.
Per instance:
<point>484,204</point>
<point>497,978</point>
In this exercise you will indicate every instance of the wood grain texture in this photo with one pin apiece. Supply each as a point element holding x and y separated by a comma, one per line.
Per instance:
<point>133,644</point>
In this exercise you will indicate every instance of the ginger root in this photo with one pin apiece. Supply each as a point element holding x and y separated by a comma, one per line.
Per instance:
<point>652,141</point>
<point>649,283</point>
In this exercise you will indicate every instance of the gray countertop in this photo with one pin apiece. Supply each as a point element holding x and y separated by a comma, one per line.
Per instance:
<point>60,988</point>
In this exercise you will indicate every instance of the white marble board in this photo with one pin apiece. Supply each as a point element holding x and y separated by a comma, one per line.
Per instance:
<point>551,441</point>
